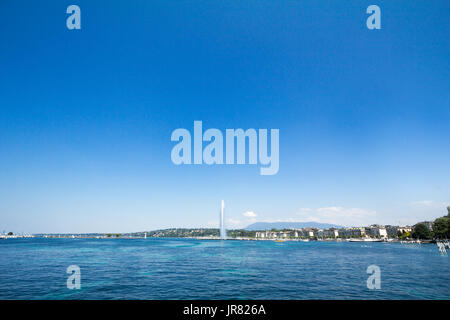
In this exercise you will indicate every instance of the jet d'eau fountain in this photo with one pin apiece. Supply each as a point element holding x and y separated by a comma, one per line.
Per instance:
<point>223,233</point>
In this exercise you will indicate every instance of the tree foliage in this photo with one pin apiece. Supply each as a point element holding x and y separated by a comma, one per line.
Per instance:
<point>421,231</point>
<point>441,227</point>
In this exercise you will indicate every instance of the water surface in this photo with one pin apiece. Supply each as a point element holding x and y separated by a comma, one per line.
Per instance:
<point>207,269</point>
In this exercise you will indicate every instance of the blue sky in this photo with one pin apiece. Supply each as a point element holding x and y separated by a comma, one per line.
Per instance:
<point>86,115</point>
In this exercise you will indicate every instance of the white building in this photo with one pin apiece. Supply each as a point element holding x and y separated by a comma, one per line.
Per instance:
<point>352,232</point>
<point>377,231</point>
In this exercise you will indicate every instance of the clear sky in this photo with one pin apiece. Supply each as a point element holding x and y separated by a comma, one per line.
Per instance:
<point>86,115</point>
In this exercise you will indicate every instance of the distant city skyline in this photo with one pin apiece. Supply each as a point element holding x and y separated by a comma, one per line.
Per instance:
<point>222,226</point>
<point>86,116</point>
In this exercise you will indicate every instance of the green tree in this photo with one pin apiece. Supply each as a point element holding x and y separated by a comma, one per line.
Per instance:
<point>421,231</point>
<point>441,227</point>
<point>10,233</point>
<point>405,235</point>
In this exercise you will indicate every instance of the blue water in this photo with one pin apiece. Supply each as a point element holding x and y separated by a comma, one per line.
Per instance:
<point>196,269</point>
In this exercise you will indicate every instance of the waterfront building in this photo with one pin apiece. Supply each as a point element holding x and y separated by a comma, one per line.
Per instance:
<point>393,231</point>
<point>377,231</point>
<point>331,233</point>
<point>284,234</point>
<point>260,234</point>
<point>266,234</point>
<point>352,232</point>
<point>308,232</point>
<point>405,229</point>
<point>328,233</point>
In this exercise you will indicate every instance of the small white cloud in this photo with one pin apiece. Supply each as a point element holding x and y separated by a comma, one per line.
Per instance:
<point>422,203</point>
<point>249,214</point>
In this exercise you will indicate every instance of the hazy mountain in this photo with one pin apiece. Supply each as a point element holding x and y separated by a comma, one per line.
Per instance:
<point>289,225</point>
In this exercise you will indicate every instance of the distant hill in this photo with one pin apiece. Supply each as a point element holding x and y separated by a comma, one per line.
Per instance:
<point>289,225</point>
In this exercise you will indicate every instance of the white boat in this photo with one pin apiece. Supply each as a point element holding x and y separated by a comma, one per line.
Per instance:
<point>366,240</point>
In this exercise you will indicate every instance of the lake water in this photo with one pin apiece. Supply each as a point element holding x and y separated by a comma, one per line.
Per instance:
<point>203,269</point>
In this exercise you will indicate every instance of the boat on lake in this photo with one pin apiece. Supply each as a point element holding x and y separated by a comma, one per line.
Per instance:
<point>366,240</point>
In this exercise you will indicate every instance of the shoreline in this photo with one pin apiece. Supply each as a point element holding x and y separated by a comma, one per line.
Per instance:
<point>355,240</point>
